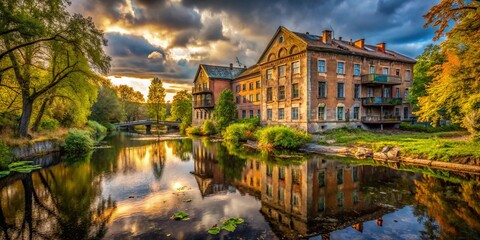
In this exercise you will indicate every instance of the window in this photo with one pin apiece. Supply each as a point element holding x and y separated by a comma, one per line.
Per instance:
<point>258,112</point>
<point>281,173</point>
<point>321,204</point>
<point>405,113</point>
<point>251,97</point>
<point>281,93</point>
<point>296,176</point>
<point>322,89</point>
<point>296,67</point>
<point>244,99</point>
<point>269,190</point>
<point>257,85</point>
<point>251,114</point>
<point>397,72</point>
<point>340,176</point>
<point>397,112</point>
<point>355,173</point>
<point>295,90</point>
<point>356,91</point>
<point>397,92</point>
<point>356,112</point>
<point>237,88</point>
<point>407,75</point>
<point>257,165</point>
<point>340,68</point>
<point>257,97</point>
<point>280,40</point>
<point>340,199</point>
<point>269,94</point>
<point>244,114</point>
<point>269,170</point>
<point>372,69</point>
<point>250,86</point>
<point>370,92</point>
<point>321,178</point>
<point>294,113</point>
<point>340,90</point>
<point>406,93</point>
<point>356,69</point>
<point>321,66</point>
<point>340,113</point>
<point>269,74</point>
<point>281,194</point>
<point>251,181</point>
<point>321,113</point>
<point>295,200</point>
<point>244,87</point>
<point>355,196</point>
<point>281,113</point>
<point>281,71</point>
<point>197,115</point>
<point>237,99</point>
<point>269,114</point>
<point>385,71</point>
<point>387,93</point>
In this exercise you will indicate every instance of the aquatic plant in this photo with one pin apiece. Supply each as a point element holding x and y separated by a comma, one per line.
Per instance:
<point>229,225</point>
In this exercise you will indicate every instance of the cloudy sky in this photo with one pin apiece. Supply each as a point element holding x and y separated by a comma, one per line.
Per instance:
<point>169,38</point>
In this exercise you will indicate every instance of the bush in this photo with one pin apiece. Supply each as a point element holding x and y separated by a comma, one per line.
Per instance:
<point>208,128</point>
<point>49,124</point>
<point>281,137</point>
<point>254,121</point>
<point>6,156</point>
<point>78,142</point>
<point>97,128</point>
<point>110,127</point>
<point>239,132</point>
<point>194,131</point>
<point>427,129</point>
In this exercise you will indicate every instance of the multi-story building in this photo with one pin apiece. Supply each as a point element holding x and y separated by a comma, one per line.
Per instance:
<point>317,83</point>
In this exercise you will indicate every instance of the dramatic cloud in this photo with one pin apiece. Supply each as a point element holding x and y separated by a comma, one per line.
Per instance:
<point>169,38</point>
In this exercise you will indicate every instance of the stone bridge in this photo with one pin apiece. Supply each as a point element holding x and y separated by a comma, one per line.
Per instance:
<point>147,123</point>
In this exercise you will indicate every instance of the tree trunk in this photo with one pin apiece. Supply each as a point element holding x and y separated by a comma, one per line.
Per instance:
<point>27,105</point>
<point>38,119</point>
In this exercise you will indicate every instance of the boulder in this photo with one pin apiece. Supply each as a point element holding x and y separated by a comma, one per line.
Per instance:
<point>385,149</point>
<point>380,155</point>
<point>393,153</point>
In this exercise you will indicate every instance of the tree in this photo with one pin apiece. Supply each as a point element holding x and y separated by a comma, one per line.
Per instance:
<point>225,110</point>
<point>455,92</point>
<point>58,47</point>
<point>156,100</point>
<point>182,108</point>
<point>132,102</point>
<point>108,107</point>
<point>425,69</point>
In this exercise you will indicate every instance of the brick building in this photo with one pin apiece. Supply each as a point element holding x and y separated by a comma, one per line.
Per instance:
<point>317,83</point>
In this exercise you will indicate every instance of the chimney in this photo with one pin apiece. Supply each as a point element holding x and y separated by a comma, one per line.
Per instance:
<point>327,37</point>
<point>381,47</point>
<point>231,66</point>
<point>360,43</point>
<point>245,66</point>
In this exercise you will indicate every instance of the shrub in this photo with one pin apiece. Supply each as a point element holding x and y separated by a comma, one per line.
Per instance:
<point>208,128</point>
<point>49,124</point>
<point>6,156</point>
<point>194,131</point>
<point>254,121</point>
<point>239,132</point>
<point>78,142</point>
<point>281,137</point>
<point>97,128</point>
<point>110,127</point>
<point>428,129</point>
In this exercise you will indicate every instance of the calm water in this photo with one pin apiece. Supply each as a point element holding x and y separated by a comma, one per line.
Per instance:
<point>131,190</point>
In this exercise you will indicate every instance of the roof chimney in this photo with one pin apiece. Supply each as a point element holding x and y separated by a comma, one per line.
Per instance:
<point>231,66</point>
<point>381,47</point>
<point>360,43</point>
<point>340,38</point>
<point>327,36</point>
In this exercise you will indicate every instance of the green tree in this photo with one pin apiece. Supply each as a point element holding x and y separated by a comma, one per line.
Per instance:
<point>156,100</point>
<point>225,110</point>
<point>62,47</point>
<point>182,108</point>
<point>108,107</point>
<point>425,69</point>
<point>455,92</point>
<point>132,102</point>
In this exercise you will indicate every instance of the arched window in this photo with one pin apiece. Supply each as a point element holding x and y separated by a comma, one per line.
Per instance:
<point>271,57</point>
<point>293,50</point>
<point>282,52</point>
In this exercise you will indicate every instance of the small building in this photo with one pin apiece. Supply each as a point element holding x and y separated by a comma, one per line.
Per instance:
<point>315,83</point>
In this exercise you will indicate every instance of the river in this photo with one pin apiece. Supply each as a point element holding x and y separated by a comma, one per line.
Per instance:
<point>130,188</point>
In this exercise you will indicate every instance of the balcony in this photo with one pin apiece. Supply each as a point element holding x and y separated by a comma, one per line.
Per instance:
<point>379,119</point>
<point>378,101</point>
<point>201,90</point>
<point>381,79</point>
<point>203,104</point>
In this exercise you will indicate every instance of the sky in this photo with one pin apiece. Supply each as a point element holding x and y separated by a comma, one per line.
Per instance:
<point>169,38</point>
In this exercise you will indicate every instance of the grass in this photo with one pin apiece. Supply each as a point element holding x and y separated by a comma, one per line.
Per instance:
<point>11,140</point>
<point>444,146</point>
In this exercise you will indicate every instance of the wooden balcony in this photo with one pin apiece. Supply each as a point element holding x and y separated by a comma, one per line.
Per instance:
<point>379,101</point>
<point>203,104</point>
<point>381,79</point>
<point>380,119</point>
<point>201,90</point>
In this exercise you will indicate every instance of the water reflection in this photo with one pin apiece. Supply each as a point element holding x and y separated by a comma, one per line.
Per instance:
<point>131,189</point>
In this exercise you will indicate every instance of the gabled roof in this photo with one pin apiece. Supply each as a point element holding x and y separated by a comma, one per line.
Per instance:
<point>252,70</point>
<point>279,29</point>
<point>222,72</point>
<point>315,43</point>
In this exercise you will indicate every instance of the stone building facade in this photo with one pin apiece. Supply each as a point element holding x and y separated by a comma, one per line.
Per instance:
<point>316,83</point>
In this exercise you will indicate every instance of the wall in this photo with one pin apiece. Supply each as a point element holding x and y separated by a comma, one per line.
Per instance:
<point>36,149</point>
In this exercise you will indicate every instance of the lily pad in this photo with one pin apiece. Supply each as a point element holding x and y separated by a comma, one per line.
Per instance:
<point>214,230</point>
<point>180,216</point>
<point>229,225</point>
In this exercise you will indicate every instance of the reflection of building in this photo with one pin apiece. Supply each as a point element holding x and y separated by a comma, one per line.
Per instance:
<point>251,180</point>
<point>209,176</point>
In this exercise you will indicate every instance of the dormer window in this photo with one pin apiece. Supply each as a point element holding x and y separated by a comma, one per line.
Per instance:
<point>280,40</point>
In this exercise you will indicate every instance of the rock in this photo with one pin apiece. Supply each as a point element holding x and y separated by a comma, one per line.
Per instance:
<point>380,155</point>
<point>393,153</point>
<point>385,149</point>
<point>362,152</point>
<point>330,141</point>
